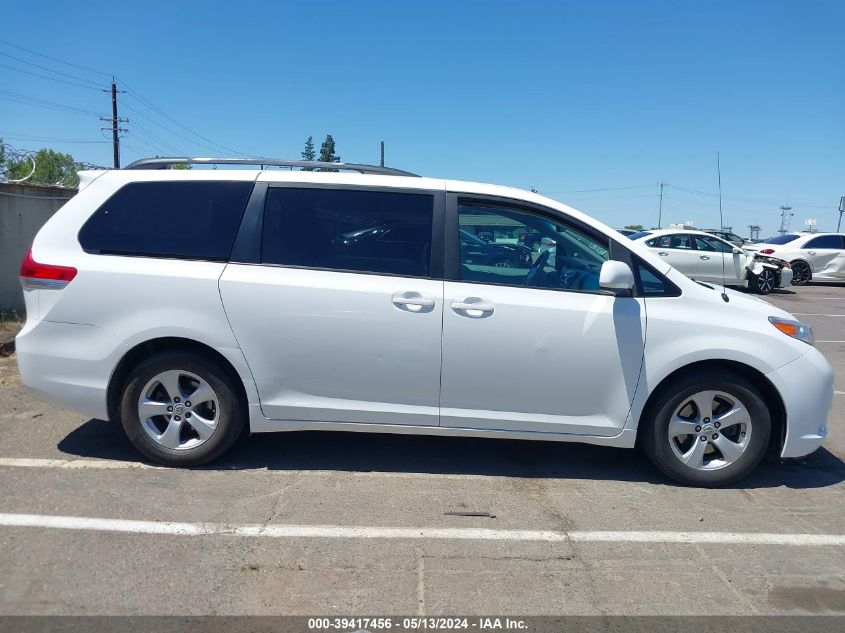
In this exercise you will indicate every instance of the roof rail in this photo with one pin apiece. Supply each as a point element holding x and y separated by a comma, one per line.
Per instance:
<point>164,163</point>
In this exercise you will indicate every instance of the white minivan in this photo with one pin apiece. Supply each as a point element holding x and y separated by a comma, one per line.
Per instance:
<point>192,305</point>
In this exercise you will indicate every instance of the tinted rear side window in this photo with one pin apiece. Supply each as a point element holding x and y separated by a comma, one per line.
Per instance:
<point>190,220</point>
<point>825,241</point>
<point>354,230</point>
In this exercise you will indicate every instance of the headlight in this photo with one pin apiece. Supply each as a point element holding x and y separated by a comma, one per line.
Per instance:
<point>795,329</point>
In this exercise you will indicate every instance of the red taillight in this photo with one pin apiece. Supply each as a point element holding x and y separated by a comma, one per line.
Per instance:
<point>35,275</point>
<point>767,251</point>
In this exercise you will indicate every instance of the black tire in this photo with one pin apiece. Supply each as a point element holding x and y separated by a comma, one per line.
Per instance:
<point>232,414</point>
<point>802,274</point>
<point>765,282</point>
<point>654,428</point>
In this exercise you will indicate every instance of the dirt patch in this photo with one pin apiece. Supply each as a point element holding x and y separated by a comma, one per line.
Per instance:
<point>9,376</point>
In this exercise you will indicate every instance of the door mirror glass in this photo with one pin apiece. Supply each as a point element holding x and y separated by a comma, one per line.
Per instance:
<point>616,277</point>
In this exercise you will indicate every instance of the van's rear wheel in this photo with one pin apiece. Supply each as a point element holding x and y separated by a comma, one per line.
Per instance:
<point>181,409</point>
<point>708,429</point>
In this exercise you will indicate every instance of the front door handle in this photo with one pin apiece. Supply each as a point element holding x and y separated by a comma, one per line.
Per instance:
<point>473,307</point>
<point>704,257</point>
<point>662,254</point>
<point>412,302</point>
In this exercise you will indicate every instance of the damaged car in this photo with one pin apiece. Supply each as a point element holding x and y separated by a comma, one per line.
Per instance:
<point>708,258</point>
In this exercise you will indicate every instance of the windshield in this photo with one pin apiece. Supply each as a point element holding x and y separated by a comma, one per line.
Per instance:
<point>638,235</point>
<point>781,239</point>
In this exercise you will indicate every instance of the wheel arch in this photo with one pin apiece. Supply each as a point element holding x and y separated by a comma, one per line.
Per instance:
<point>773,399</point>
<point>150,347</point>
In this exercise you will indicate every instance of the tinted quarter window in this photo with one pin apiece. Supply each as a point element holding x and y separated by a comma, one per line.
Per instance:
<point>825,241</point>
<point>354,230</point>
<point>168,219</point>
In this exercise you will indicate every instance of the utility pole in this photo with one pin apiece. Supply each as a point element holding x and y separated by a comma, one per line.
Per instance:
<point>785,218</point>
<point>841,211</point>
<point>382,154</point>
<point>115,125</point>
<point>660,204</point>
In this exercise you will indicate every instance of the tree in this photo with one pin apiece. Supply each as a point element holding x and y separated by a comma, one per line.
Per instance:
<point>308,153</point>
<point>51,168</point>
<point>327,154</point>
<point>634,227</point>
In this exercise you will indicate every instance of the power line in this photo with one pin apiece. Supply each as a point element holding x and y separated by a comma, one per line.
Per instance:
<point>62,81</point>
<point>132,93</point>
<point>55,59</point>
<point>50,70</point>
<point>46,139</point>
<point>43,103</point>
<point>170,131</point>
<point>745,199</point>
<point>161,142</point>
<point>594,190</point>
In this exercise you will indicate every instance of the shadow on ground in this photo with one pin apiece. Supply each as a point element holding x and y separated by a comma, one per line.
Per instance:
<point>364,452</point>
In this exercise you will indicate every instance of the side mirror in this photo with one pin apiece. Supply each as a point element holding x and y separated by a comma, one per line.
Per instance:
<point>616,277</point>
<point>737,251</point>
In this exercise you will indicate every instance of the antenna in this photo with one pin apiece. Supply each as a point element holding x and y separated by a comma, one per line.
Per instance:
<point>721,223</point>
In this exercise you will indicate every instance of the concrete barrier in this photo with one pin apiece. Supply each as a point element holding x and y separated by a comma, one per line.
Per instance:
<point>24,209</point>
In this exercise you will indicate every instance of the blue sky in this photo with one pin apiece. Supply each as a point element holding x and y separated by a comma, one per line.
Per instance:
<point>560,96</point>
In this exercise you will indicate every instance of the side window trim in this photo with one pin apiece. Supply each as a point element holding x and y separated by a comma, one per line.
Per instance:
<point>247,249</point>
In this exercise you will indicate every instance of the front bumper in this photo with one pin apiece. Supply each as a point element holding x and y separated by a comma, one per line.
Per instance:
<point>806,387</point>
<point>785,277</point>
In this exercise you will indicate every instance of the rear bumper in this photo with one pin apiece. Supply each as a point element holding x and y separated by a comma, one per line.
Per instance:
<point>68,364</point>
<point>806,387</point>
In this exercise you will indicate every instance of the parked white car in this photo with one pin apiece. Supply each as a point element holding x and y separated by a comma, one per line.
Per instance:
<point>705,257</point>
<point>819,256</point>
<point>192,305</point>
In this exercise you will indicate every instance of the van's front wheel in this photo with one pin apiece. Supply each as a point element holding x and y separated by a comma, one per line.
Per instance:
<point>181,409</point>
<point>709,429</point>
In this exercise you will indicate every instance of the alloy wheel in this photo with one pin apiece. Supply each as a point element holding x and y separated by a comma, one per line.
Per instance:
<point>709,430</point>
<point>178,409</point>
<point>800,273</point>
<point>766,281</point>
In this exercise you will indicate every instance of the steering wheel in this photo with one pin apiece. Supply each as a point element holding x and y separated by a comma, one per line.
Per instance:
<point>537,268</point>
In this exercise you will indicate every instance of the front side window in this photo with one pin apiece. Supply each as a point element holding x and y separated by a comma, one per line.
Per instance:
<point>190,220</point>
<point>351,230</point>
<point>825,241</point>
<point>568,257</point>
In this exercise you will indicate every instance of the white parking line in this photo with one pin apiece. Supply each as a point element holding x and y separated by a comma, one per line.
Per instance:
<point>815,314</point>
<point>830,341</point>
<point>420,533</point>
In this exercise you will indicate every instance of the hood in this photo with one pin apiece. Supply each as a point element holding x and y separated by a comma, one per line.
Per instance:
<point>711,294</point>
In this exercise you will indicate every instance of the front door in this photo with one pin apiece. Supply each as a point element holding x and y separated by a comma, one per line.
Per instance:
<point>339,319</point>
<point>536,347</point>
<point>717,263</point>
<point>678,250</point>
